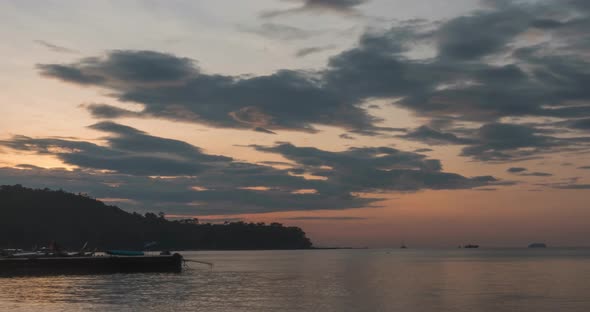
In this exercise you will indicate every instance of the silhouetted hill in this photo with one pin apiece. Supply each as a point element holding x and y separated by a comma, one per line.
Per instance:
<point>31,217</point>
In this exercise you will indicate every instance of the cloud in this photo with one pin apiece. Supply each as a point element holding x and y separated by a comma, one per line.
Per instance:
<point>574,187</point>
<point>376,169</point>
<point>55,48</point>
<point>138,68</point>
<point>347,7</point>
<point>516,169</point>
<point>174,195</point>
<point>465,90</point>
<point>486,189</point>
<point>568,186</point>
<point>260,129</point>
<point>581,124</point>
<point>312,50</point>
<point>480,34</point>
<point>504,142</point>
<point>128,151</point>
<point>584,167</point>
<point>151,173</point>
<point>174,88</point>
<point>326,218</point>
<point>536,174</point>
<point>105,111</point>
<point>485,75</point>
<point>220,220</point>
<point>278,31</point>
<point>459,82</point>
<point>429,135</point>
<point>346,136</point>
<point>498,141</point>
<point>369,156</point>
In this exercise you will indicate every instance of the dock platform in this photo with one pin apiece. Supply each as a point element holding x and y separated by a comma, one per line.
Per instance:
<point>90,265</point>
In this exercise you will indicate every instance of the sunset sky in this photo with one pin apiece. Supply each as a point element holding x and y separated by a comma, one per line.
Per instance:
<point>367,123</point>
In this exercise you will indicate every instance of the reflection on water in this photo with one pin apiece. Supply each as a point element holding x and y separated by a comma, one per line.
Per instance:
<point>328,280</point>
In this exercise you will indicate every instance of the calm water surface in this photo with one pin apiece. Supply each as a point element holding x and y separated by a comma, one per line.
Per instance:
<point>328,280</point>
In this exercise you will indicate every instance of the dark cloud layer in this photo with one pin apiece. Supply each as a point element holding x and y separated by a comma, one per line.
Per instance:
<point>429,135</point>
<point>481,34</point>
<point>485,72</point>
<point>175,195</point>
<point>128,151</point>
<point>375,169</point>
<point>581,124</point>
<point>502,142</point>
<point>105,111</point>
<point>175,88</point>
<point>145,172</point>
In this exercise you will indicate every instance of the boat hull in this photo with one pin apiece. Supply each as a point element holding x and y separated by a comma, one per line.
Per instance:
<point>90,265</point>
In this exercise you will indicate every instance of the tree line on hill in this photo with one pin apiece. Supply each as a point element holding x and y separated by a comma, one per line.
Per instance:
<point>35,217</point>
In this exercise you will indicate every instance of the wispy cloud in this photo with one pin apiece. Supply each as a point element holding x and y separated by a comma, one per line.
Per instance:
<point>346,7</point>
<point>346,136</point>
<point>312,50</point>
<point>310,218</point>
<point>278,31</point>
<point>55,48</point>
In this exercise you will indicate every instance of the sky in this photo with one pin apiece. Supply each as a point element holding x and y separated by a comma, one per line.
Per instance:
<point>367,123</point>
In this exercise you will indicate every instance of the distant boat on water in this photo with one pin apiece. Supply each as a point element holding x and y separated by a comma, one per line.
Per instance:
<point>403,246</point>
<point>471,246</point>
<point>538,245</point>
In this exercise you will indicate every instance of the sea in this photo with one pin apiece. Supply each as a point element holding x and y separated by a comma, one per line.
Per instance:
<point>405,280</point>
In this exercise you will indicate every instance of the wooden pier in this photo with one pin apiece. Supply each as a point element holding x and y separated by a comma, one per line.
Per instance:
<point>90,265</point>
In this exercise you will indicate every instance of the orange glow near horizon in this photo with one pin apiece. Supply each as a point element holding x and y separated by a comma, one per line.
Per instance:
<point>444,219</point>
